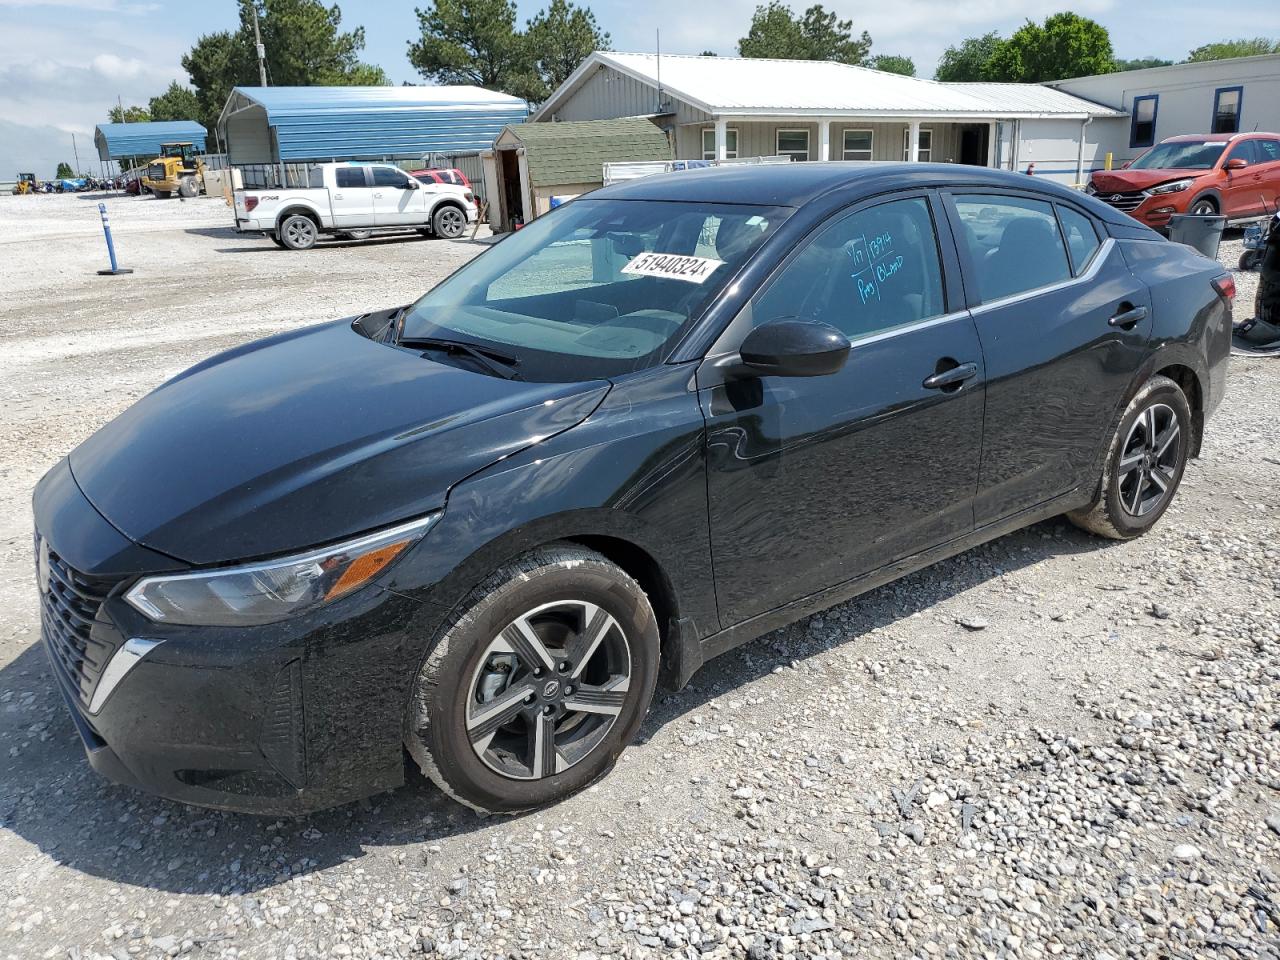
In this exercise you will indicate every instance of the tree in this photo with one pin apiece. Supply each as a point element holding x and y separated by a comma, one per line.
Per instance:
<point>64,169</point>
<point>1226,49</point>
<point>558,39</point>
<point>1065,45</point>
<point>708,53</point>
<point>304,47</point>
<point>475,42</point>
<point>1142,63</point>
<point>176,103</point>
<point>892,63</point>
<point>128,115</point>
<point>817,35</point>
<point>970,61</point>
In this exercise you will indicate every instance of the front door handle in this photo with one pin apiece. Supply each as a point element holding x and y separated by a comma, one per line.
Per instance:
<point>951,378</point>
<point>1128,319</point>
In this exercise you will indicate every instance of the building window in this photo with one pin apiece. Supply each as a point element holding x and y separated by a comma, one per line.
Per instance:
<point>793,144</point>
<point>1142,131</point>
<point>857,145</point>
<point>709,143</point>
<point>1226,110</point>
<point>924,151</point>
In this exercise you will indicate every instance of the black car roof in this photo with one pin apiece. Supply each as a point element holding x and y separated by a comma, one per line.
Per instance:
<point>795,184</point>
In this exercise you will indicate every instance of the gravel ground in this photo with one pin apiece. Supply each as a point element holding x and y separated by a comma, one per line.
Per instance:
<point>1049,746</point>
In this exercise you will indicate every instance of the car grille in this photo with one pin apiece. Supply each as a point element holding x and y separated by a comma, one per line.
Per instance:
<point>69,604</point>
<point>1126,202</point>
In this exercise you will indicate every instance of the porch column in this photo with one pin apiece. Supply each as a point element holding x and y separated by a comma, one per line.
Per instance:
<point>913,151</point>
<point>991,144</point>
<point>824,139</point>
<point>722,139</point>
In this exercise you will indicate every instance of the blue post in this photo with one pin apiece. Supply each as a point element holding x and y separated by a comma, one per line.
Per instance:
<point>115,270</point>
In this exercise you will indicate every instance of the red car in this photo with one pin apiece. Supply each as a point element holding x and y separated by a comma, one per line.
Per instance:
<point>1235,175</point>
<point>443,175</point>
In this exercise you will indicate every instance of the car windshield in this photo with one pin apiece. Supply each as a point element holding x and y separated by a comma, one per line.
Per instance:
<point>1185,155</point>
<point>595,288</point>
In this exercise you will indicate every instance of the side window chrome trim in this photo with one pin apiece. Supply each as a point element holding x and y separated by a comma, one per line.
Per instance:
<point>1095,266</point>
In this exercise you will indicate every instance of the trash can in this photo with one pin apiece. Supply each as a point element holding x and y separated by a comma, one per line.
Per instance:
<point>1202,233</point>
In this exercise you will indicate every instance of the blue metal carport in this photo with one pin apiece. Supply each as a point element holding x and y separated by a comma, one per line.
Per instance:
<point>269,125</point>
<point>117,140</point>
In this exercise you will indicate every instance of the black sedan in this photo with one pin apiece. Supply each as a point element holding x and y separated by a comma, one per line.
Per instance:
<point>654,424</point>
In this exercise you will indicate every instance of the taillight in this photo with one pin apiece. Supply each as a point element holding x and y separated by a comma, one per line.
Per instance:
<point>250,203</point>
<point>1226,287</point>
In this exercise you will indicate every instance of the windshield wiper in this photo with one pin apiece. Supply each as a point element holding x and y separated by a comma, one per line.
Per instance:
<point>496,363</point>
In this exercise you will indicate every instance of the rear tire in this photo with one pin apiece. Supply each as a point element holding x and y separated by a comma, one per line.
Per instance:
<point>448,222</point>
<point>503,723</point>
<point>275,238</point>
<point>162,194</point>
<point>356,234</point>
<point>1250,259</point>
<point>1144,464</point>
<point>298,232</point>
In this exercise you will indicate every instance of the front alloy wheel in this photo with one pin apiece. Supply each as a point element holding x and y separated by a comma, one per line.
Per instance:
<point>449,222</point>
<point>548,689</point>
<point>537,683</point>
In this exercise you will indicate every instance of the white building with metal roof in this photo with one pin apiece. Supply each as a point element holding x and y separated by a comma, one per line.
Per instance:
<point>727,107</point>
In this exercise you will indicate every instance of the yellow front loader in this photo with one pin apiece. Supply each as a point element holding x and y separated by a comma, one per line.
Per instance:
<point>26,183</point>
<point>177,170</point>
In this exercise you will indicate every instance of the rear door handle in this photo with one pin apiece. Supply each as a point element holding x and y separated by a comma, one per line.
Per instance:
<point>951,378</point>
<point>1128,319</point>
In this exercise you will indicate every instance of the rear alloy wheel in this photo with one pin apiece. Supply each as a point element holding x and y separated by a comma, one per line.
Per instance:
<point>449,222</point>
<point>1144,465</point>
<point>298,232</point>
<point>1204,208</point>
<point>538,685</point>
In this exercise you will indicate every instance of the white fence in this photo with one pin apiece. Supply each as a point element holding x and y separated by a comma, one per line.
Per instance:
<point>634,170</point>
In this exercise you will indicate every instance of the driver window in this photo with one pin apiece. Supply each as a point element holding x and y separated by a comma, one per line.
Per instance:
<point>867,272</point>
<point>387,177</point>
<point>1242,151</point>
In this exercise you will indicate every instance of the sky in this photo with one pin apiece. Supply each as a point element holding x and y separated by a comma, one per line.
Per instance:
<point>64,62</point>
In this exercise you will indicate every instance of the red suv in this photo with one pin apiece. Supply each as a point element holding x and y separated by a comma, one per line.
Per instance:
<point>443,175</point>
<point>1235,175</point>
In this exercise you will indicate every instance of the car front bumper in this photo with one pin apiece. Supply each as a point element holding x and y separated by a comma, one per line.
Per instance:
<point>281,719</point>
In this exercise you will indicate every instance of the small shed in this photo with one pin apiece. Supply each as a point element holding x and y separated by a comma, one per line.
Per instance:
<point>533,162</point>
<point>116,141</point>
<point>277,125</point>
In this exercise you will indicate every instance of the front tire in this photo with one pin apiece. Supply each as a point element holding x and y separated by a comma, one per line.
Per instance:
<point>538,684</point>
<point>1144,465</point>
<point>448,222</point>
<point>1204,207</point>
<point>188,188</point>
<point>298,232</point>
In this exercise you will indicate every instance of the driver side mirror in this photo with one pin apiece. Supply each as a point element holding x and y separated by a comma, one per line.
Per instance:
<point>791,347</point>
<point>1236,163</point>
<point>410,185</point>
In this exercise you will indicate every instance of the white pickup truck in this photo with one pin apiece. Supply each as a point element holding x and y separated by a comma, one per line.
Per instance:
<point>354,200</point>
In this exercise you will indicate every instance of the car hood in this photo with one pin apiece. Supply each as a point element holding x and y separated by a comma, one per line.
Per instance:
<point>1121,181</point>
<point>307,438</point>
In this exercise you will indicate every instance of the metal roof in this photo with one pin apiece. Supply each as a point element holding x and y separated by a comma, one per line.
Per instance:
<point>116,140</point>
<point>576,152</point>
<point>744,87</point>
<point>369,122</point>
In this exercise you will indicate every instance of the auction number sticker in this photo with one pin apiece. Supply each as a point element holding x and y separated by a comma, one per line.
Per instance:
<point>673,266</point>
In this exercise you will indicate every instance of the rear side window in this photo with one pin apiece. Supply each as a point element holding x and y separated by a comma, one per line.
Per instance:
<point>867,272</point>
<point>1082,238</point>
<point>1268,150</point>
<point>315,179</point>
<point>350,177</point>
<point>1014,244</point>
<point>387,177</point>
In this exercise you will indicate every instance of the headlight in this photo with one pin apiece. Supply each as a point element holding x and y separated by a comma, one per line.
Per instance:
<point>259,593</point>
<point>1176,187</point>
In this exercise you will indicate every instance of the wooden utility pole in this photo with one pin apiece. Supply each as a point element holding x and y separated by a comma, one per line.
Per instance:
<point>262,51</point>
